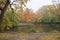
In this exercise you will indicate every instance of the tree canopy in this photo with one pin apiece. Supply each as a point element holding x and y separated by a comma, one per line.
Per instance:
<point>5,3</point>
<point>15,3</point>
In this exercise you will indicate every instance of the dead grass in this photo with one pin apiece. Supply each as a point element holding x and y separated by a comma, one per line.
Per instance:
<point>52,36</point>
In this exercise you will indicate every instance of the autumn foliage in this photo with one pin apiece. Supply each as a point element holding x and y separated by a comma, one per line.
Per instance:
<point>46,14</point>
<point>28,15</point>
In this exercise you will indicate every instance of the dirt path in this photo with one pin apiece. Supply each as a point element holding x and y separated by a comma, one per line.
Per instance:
<point>27,36</point>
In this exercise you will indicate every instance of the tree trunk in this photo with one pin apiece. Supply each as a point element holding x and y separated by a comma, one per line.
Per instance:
<point>2,12</point>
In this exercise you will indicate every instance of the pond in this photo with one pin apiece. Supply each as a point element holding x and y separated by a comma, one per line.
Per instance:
<point>39,28</point>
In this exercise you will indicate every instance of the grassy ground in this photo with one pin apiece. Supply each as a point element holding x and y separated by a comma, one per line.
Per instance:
<point>29,36</point>
<point>52,36</point>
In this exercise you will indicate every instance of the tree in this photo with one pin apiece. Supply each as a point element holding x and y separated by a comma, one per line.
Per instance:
<point>55,2</point>
<point>3,6</point>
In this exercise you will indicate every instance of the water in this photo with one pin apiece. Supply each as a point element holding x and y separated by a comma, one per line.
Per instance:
<point>39,28</point>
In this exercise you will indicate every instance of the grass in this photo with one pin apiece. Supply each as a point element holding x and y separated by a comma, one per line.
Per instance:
<point>49,36</point>
<point>8,35</point>
<point>53,36</point>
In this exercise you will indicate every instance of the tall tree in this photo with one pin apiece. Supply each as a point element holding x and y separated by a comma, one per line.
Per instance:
<point>3,6</point>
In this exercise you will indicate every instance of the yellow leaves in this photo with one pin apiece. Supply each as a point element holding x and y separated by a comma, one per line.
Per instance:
<point>6,23</point>
<point>2,1</point>
<point>26,1</point>
<point>28,20</point>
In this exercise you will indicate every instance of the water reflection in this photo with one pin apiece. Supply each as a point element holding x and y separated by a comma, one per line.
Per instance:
<point>39,28</point>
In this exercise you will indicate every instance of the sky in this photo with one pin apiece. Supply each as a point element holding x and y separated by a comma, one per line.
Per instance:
<point>36,4</point>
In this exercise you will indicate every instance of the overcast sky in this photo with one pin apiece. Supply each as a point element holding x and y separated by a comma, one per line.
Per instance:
<point>36,4</point>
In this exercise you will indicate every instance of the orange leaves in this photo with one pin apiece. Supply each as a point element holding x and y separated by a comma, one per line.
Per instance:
<point>27,15</point>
